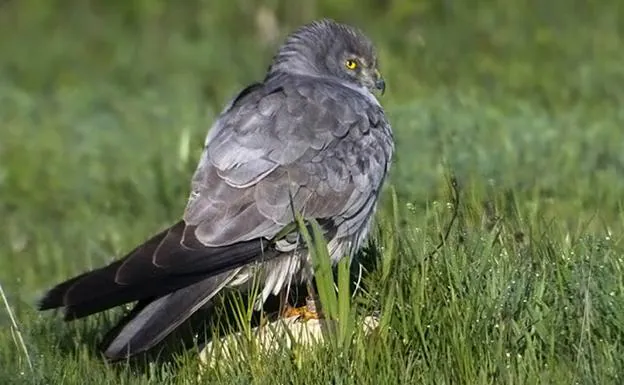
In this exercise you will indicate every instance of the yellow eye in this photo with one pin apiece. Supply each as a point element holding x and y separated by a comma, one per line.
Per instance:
<point>351,64</point>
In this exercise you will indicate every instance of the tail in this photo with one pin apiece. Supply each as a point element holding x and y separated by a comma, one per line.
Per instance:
<point>171,275</point>
<point>150,322</point>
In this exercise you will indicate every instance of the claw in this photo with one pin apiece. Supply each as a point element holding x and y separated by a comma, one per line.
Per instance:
<point>290,311</point>
<point>303,313</point>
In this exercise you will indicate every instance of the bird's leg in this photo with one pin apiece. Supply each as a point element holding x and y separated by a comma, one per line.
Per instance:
<point>313,305</point>
<point>287,311</point>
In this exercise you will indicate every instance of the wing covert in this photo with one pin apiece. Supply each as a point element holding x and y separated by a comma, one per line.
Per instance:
<point>319,145</point>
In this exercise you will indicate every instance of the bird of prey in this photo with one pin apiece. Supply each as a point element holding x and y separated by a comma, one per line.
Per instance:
<point>311,138</point>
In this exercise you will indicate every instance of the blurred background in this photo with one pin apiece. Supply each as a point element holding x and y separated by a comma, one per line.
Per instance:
<point>104,106</point>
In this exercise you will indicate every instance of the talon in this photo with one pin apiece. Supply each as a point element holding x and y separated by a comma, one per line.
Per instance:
<point>303,313</point>
<point>308,315</point>
<point>290,311</point>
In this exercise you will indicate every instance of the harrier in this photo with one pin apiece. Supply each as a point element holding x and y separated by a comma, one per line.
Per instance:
<point>311,138</point>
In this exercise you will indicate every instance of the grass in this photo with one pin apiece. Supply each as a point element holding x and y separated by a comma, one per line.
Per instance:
<point>103,115</point>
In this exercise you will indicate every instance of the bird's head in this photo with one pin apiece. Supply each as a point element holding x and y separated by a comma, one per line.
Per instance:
<point>326,48</point>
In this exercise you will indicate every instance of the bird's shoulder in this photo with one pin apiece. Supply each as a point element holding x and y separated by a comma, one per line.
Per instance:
<point>324,92</point>
<point>288,103</point>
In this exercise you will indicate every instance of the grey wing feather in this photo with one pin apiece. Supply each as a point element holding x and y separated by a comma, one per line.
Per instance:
<point>319,145</point>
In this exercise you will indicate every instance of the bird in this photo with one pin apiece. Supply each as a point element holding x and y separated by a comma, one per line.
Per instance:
<point>310,139</point>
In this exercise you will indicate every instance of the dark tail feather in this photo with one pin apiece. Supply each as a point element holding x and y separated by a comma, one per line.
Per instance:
<point>137,277</point>
<point>149,323</point>
<point>121,323</point>
<point>56,297</point>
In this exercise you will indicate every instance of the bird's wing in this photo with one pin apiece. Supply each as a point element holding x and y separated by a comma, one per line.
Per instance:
<point>319,145</point>
<point>137,277</point>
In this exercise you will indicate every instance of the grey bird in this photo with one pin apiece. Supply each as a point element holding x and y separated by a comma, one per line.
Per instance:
<point>311,138</point>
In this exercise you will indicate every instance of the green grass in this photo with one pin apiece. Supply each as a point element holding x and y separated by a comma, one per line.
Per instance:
<point>102,120</point>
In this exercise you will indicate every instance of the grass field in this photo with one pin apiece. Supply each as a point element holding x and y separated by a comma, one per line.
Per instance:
<point>103,112</point>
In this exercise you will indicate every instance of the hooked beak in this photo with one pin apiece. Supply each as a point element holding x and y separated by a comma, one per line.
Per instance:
<point>380,83</point>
